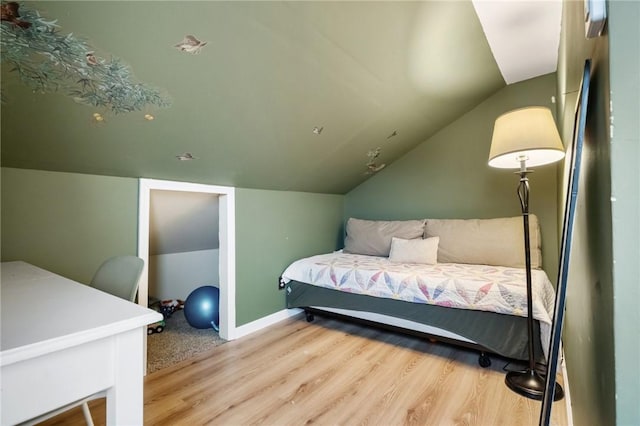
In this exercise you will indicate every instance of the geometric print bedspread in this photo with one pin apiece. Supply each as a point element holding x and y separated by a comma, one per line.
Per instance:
<point>454,285</point>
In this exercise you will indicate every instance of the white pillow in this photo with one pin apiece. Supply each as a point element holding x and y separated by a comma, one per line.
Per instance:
<point>414,251</point>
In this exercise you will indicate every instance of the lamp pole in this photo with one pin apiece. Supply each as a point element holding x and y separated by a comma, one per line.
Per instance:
<point>523,195</point>
<point>529,382</point>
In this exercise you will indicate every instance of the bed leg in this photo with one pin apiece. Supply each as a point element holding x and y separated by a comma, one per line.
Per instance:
<point>309,316</point>
<point>484,360</point>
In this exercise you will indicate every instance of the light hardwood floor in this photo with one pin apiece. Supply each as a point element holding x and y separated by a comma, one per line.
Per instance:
<point>331,373</point>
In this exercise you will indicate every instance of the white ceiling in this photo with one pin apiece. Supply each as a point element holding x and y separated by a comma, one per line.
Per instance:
<point>524,36</point>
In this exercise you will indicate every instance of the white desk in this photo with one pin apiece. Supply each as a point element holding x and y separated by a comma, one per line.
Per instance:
<point>63,341</point>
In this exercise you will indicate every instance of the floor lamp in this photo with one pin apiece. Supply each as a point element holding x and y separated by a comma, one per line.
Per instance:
<point>521,138</point>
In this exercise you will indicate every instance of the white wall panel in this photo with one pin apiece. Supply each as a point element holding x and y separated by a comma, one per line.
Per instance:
<point>174,276</point>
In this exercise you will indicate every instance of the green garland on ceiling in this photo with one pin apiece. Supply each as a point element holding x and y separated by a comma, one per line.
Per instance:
<point>48,61</point>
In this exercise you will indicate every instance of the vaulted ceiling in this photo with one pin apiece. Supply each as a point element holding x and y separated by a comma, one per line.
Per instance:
<point>365,75</point>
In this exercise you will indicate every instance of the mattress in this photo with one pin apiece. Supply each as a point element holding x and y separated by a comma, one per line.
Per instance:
<point>466,293</point>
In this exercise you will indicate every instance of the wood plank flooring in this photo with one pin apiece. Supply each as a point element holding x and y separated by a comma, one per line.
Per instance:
<point>331,372</point>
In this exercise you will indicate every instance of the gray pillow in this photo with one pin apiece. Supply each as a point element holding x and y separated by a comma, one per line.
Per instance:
<point>373,237</point>
<point>497,242</point>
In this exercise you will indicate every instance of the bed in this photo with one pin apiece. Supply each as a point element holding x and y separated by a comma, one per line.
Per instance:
<point>452,280</point>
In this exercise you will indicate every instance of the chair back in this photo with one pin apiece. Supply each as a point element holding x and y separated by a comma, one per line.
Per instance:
<point>119,276</point>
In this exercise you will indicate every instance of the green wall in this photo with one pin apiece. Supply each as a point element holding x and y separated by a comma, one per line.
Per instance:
<point>273,228</point>
<point>588,327</point>
<point>66,222</point>
<point>69,223</point>
<point>447,176</point>
<point>624,37</point>
<point>588,336</point>
<point>601,339</point>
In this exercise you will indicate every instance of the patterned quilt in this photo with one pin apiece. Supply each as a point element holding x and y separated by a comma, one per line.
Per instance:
<point>463,286</point>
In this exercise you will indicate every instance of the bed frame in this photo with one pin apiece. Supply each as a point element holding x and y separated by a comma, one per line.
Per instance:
<point>487,332</point>
<point>493,242</point>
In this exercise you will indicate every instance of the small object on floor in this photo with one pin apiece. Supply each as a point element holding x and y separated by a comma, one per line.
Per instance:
<point>201,307</point>
<point>169,306</point>
<point>156,327</point>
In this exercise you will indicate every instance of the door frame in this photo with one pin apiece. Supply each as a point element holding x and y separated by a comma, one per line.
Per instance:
<point>227,235</point>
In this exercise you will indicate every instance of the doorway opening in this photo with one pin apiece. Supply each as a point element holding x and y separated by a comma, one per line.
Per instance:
<point>226,238</point>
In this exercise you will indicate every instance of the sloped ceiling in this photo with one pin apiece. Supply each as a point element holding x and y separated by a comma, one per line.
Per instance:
<point>182,222</point>
<point>247,104</point>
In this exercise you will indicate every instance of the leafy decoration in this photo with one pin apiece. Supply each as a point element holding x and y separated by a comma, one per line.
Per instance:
<point>48,61</point>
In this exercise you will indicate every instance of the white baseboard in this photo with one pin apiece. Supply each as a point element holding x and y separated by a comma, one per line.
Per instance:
<point>259,324</point>
<point>567,394</point>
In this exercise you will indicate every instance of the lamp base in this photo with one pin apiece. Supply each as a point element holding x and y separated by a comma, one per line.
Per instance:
<point>531,384</point>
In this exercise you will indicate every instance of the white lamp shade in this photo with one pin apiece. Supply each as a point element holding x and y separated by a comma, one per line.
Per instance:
<point>526,133</point>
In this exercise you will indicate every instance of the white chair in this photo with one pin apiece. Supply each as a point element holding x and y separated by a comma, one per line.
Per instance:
<point>118,276</point>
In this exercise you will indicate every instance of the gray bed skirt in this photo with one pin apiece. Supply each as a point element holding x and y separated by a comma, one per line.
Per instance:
<point>500,334</point>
